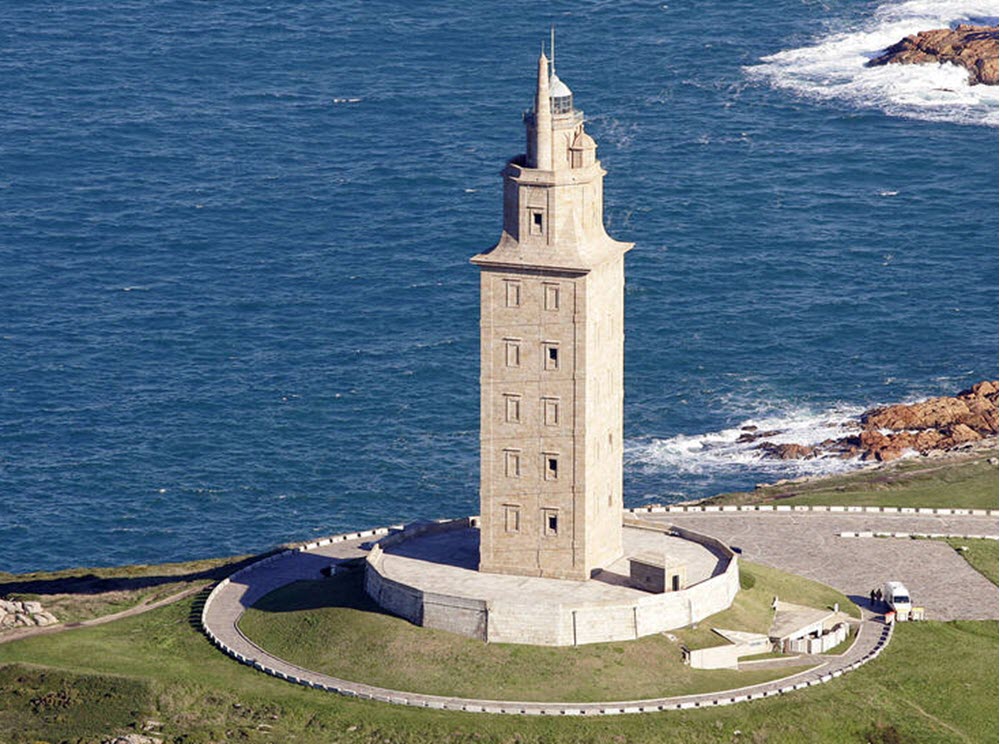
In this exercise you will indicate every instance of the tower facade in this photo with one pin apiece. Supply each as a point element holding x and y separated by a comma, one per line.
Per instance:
<point>552,357</point>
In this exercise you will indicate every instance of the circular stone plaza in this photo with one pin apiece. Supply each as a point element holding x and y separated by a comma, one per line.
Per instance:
<point>428,573</point>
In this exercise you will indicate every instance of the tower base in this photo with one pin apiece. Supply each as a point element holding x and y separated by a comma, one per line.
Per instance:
<point>428,575</point>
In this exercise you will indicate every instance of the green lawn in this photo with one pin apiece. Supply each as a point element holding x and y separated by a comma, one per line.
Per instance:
<point>968,482</point>
<point>937,682</point>
<point>982,555</point>
<point>332,627</point>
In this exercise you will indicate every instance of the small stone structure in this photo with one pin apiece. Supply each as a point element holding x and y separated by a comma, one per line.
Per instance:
<point>16,614</point>
<point>806,630</point>
<point>427,573</point>
<point>657,573</point>
<point>728,655</point>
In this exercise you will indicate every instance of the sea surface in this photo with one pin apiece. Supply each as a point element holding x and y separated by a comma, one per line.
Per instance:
<point>236,306</point>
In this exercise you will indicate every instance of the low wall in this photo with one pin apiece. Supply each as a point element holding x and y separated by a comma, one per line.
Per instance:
<point>711,509</point>
<point>510,621</point>
<point>716,657</point>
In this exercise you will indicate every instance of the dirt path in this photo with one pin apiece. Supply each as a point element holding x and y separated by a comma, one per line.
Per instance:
<point>144,606</point>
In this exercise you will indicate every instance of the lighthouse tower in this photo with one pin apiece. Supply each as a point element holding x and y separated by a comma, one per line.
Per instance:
<point>552,348</point>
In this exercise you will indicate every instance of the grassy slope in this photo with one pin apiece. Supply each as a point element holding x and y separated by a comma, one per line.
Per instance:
<point>168,671</point>
<point>84,593</point>
<point>967,481</point>
<point>330,626</point>
<point>982,555</point>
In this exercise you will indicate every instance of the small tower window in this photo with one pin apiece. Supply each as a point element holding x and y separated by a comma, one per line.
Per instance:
<point>512,352</point>
<point>550,522</point>
<point>513,291</point>
<point>550,466</point>
<point>512,463</point>
<point>551,293</point>
<point>537,222</point>
<point>550,411</point>
<point>551,356</point>
<point>511,518</point>
<point>512,409</point>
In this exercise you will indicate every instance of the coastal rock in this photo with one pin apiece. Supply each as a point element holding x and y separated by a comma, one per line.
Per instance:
<point>975,408</point>
<point>44,619</point>
<point>752,435</point>
<point>787,451</point>
<point>15,614</point>
<point>889,432</point>
<point>971,47</point>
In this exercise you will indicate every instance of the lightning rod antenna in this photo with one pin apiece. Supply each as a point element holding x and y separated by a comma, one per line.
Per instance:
<point>552,47</point>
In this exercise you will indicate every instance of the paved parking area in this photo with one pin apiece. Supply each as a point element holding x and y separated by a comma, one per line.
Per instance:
<point>808,544</point>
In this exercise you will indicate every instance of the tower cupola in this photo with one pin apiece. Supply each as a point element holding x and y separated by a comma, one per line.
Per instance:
<point>561,95</point>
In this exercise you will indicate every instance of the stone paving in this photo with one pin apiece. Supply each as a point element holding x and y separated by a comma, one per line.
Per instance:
<point>809,544</point>
<point>803,543</point>
<point>446,563</point>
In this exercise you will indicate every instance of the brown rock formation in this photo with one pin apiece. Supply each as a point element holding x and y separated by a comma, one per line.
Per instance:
<point>787,451</point>
<point>890,431</point>
<point>972,47</point>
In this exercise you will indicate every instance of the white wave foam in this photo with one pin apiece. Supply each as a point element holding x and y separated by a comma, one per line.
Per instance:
<point>721,452</point>
<point>834,67</point>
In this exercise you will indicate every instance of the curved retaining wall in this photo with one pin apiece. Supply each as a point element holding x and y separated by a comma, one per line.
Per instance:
<point>265,662</point>
<point>512,621</point>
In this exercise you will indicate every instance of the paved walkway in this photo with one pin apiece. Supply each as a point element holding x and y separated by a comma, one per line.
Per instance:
<point>806,543</point>
<point>809,544</point>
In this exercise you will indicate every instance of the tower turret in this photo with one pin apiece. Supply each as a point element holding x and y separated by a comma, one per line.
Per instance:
<point>543,118</point>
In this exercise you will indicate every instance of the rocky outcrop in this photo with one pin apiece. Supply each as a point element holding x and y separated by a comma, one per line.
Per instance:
<point>888,432</point>
<point>14,614</point>
<point>972,47</point>
<point>936,424</point>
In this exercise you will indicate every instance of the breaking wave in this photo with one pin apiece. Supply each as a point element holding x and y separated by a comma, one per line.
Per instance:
<point>718,454</point>
<point>834,67</point>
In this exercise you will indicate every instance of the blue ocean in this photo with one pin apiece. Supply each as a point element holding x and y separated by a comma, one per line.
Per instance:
<point>236,304</point>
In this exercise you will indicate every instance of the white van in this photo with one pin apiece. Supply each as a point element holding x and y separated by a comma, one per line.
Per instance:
<point>897,597</point>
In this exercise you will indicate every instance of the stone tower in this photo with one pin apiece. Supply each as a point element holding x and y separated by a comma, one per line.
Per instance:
<point>552,348</point>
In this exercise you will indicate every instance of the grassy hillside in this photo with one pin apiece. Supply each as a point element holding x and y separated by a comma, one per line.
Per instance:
<point>87,683</point>
<point>966,481</point>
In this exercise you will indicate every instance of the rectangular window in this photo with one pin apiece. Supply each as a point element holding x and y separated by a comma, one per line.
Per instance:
<point>550,411</point>
<point>550,466</point>
<point>511,518</point>
<point>512,463</point>
<point>550,522</point>
<point>512,352</point>
<point>537,222</point>
<point>551,353</point>
<point>512,409</point>
<point>551,296</point>
<point>513,292</point>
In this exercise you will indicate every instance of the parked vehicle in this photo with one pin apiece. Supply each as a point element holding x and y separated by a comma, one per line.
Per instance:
<point>897,597</point>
